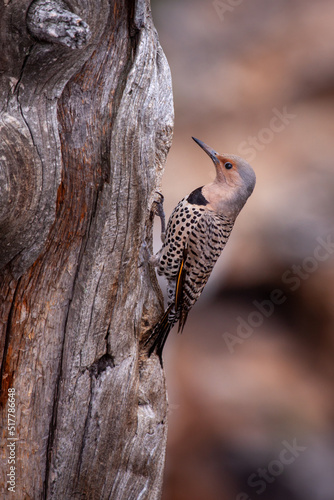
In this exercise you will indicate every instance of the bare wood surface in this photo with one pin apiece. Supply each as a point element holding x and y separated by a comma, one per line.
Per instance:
<point>85,127</point>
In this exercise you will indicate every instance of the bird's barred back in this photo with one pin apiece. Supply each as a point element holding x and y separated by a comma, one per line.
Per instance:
<point>206,243</point>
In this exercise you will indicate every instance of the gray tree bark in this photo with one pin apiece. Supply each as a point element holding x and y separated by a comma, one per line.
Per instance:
<point>86,118</point>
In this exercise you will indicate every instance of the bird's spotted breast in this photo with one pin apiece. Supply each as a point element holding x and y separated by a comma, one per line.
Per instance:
<point>200,229</point>
<point>180,225</point>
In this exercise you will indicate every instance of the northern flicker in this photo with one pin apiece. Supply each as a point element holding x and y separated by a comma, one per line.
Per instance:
<point>197,232</point>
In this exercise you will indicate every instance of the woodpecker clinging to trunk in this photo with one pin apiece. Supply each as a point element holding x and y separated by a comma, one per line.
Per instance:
<point>196,234</point>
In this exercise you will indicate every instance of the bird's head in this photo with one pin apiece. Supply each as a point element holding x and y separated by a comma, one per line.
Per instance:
<point>234,182</point>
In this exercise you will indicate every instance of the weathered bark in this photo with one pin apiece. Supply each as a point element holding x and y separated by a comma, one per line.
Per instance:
<point>86,124</point>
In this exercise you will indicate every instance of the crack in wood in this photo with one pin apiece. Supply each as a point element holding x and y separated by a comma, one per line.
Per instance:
<point>25,60</point>
<point>7,378</point>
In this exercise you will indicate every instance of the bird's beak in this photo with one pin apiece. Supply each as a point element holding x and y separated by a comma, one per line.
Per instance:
<point>209,151</point>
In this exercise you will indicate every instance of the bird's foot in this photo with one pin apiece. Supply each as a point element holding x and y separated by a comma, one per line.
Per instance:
<point>145,256</point>
<point>159,211</point>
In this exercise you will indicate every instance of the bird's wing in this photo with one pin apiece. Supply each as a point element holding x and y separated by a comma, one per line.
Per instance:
<point>204,245</point>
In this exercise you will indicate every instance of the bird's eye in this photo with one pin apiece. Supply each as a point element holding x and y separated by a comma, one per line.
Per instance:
<point>228,165</point>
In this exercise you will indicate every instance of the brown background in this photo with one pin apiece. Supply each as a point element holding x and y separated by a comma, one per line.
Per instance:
<point>232,413</point>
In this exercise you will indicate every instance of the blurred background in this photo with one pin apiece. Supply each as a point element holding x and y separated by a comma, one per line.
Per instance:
<point>251,380</point>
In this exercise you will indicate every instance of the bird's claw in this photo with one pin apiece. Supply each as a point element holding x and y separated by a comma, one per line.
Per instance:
<point>159,211</point>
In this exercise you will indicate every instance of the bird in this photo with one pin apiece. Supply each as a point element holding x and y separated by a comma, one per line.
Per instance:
<point>197,232</point>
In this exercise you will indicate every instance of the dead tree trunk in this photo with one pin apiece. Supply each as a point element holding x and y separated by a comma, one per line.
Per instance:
<point>85,126</point>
